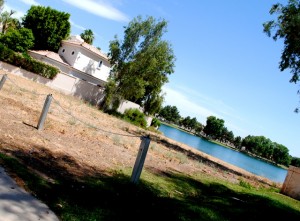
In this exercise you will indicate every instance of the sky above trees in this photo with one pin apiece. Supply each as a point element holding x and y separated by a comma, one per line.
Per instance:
<point>225,65</point>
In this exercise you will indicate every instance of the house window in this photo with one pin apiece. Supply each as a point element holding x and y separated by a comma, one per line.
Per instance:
<point>100,64</point>
<point>63,50</point>
<point>73,52</point>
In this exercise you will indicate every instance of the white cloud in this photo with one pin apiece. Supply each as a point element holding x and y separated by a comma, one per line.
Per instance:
<point>99,8</point>
<point>186,106</point>
<point>18,13</point>
<point>77,26</point>
<point>193,104</point>
<point>30,2</point>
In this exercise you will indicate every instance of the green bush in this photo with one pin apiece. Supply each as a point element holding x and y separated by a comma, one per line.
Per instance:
<point>26,62</point>
<point>155,122</point>
<point>19,40</point>
<point>136,117</point>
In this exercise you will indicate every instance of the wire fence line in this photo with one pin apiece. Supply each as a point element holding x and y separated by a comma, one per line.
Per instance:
<point>43,136</point>
<point>90,125</point>
<point>144,145</point>
<point>33,92</point>
<point>71,114</point>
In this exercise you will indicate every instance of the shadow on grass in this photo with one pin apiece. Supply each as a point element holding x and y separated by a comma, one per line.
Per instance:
<point>78,192</point>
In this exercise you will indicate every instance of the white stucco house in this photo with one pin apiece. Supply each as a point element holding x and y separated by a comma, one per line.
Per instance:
<point>84,71</point>
<point>78,59</point>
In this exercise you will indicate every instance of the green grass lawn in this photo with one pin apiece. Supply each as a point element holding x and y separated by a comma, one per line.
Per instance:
<point>158,196</point>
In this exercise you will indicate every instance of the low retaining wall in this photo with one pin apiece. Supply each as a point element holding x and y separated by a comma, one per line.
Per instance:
<point>291,185</point>
<point>73,86</point>
<point>124,105</point>
<point>62,82</point>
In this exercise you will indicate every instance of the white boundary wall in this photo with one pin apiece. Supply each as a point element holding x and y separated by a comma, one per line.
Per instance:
<point>291,185</point>
<point>62,82</point>
<point>124,105</point>
<point>73,86</point>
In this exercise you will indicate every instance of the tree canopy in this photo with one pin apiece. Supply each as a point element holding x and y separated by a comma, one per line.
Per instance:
<point>88,36</point>
<point>264,147</point>
<point>8,22</point>
<point>170,114</point>
<point>287,27</point>
<point>48,26</point>
<point>19,40</point>
<point>214,127</point>
<point>189,123</point>
<point>142,62</point>
<point>295,161</point>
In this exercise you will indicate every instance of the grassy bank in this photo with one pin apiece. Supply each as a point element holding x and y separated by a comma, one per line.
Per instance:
<point>159,196</point>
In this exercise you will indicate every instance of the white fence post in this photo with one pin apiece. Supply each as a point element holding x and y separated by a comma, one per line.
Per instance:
<point>3,81</point>
<point>44,112</point>
<point>140,159</point>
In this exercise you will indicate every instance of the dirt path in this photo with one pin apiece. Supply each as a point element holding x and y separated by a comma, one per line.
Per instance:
<point>79,133</point>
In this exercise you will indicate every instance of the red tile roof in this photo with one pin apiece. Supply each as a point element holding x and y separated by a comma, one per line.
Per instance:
<point>87,46</point>
<point>52,55</point>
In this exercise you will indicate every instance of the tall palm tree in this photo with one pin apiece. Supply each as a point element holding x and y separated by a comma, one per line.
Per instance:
<point>88,36</point>
<point>7,21</point>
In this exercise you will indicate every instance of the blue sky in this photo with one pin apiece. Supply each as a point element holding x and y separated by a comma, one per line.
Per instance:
<point>225,65</point>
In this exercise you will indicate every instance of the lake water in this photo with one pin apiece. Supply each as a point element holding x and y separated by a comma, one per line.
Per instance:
<point>253,165</point>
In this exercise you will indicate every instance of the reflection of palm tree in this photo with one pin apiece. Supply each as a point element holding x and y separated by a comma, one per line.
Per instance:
<point>88,36</point>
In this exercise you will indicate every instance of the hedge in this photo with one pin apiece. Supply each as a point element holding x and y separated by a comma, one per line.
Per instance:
<point>136,117</point>
<point>26,62</point>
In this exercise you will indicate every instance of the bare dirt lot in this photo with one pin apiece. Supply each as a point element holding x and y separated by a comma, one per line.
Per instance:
<point>80,138</point>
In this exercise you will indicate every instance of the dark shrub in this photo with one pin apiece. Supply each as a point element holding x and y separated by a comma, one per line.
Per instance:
<point>155,122</point>
<point>26,62</point>
<point>136,117</point>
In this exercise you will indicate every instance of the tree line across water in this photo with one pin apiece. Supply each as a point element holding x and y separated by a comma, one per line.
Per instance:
<point>215,129</point>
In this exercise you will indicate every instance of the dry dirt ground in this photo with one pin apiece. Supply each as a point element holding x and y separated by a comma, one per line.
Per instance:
<point>80,139</point>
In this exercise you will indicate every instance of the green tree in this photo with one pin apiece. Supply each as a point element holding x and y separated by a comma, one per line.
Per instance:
<point>199,127</point>
<point>214,127</point>
<point>142,62</point>
<point>227,136</point>
<point>155,122</point>
<point>287,27</point>
<point>153,104</point>
<point>264,147</point>
<point>7,22</point>
<point>88,36</point>
<point>237,142</point>
<point>281,155</point>
<point>185,122</point>
<point>259,145</point>
<point>189,123</point>
<point>1,5</point>
<point>48,26</point>
<point>19,40</point>
<point>295,161</point>
<point>170,114</point>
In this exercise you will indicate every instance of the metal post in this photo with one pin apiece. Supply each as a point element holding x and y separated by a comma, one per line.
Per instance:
<point>3,81</point>
<point>44,112</point>
<point>140,159</point>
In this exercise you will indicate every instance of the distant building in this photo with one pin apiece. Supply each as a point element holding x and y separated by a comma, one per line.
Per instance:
<point>78,59</point>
